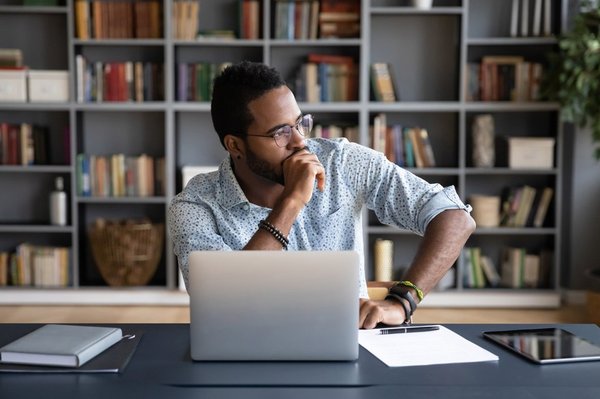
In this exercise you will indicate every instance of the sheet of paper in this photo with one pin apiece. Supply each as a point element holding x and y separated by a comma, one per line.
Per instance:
<point>441,346</point>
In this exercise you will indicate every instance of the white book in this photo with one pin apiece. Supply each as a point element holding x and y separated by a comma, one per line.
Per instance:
<point>537,18</point>
<point>524,17</point>
<point>547,18</point>
<point>514,19</point>
<point>60,345</point>
<point>490,271</point>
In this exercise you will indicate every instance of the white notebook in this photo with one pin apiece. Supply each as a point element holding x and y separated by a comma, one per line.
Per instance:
<point>60,345</point>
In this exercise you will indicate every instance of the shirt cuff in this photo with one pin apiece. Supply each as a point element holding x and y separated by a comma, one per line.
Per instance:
<point>442,201</point>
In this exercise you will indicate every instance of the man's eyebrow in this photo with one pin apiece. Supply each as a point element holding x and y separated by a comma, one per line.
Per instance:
<point>273,129</point>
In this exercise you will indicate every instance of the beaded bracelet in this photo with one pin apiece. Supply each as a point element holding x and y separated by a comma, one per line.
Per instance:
<point>275,233</point>
<point>410,284</point>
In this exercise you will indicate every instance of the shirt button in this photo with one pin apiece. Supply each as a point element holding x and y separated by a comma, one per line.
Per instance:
<point>246,207</point>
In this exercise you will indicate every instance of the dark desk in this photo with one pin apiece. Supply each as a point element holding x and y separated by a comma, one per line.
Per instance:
<point>162,368</point>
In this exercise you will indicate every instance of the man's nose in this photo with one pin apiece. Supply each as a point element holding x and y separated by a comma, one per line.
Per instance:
<point>297,140</point>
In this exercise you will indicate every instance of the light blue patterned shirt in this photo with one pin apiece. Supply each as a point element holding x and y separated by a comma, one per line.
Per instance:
<point>212,212</point>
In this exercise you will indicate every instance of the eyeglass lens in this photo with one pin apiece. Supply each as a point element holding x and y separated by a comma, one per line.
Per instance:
<point>284,134</point>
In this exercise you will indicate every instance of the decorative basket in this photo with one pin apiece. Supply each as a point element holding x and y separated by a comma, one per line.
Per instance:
<point>126,252</point>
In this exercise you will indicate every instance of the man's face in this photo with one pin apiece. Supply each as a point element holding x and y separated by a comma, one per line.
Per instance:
<point>274,109</point>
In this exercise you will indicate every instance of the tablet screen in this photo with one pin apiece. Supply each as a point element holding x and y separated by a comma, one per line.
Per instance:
<point>546,345</point>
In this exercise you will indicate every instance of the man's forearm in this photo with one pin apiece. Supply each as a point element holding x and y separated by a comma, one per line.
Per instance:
<point>446,235</point>
<point>282,216</point>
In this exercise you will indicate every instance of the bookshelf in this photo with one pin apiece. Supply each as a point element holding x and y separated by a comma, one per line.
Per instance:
<point>428,54</point>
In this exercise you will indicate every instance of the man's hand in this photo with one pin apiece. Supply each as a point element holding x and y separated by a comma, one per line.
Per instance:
<point>373,312</point>
<point>300,171</point>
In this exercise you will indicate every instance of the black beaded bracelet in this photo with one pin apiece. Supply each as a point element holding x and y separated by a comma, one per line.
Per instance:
<point>275,233</point>
<point>407,311</point>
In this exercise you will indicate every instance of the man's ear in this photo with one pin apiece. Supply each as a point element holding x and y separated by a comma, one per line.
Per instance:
<point>235,146</point>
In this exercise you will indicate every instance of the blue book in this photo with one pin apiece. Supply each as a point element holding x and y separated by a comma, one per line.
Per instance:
<point>409,153</point>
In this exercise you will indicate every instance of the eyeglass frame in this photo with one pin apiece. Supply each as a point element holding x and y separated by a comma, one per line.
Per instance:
<point>276,131</point>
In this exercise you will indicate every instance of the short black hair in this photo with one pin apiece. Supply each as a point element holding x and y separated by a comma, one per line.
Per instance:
<point>233,89</point>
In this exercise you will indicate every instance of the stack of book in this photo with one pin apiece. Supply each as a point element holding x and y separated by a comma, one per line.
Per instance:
<point>11,58</point>
<point>525,270</point>
<point>339,19</point>
<point>531,18</point>
<point>35,265</point>
<point>195,81</point>
<point>118,175</point>
<point>503,78</point>
<point>525,206</point>
<point>327,78</point>
<point>382,83</point>
<point>249,19</point>
<point>118,19</point>
<point>23,144</point>
<point>184,19</point>
<point>296,19</point>
<point>405,146</point>
<point>333,131</point>
<point>118,81</point>
<point>479,271</point>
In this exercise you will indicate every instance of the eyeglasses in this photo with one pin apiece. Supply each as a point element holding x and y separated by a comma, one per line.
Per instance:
<point>283,134</point>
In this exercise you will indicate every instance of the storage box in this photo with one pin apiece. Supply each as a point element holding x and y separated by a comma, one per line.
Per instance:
<point>13,86</point>
<point>531,152</point>
<point>48,86</point>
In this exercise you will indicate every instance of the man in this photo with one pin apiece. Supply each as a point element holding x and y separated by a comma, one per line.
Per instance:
<point>263,196</point>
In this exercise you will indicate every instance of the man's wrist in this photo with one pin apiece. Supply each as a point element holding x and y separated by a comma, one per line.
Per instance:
<point>396,299</point>
<point>290,206</point>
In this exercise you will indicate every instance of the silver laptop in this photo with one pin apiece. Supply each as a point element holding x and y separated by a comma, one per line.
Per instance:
<point>274,305</point>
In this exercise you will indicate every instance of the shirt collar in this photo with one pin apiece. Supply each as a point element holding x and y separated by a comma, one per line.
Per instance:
<point>230,192</point>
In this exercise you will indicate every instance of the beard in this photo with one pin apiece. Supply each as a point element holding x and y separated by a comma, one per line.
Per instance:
<point>263,168</point>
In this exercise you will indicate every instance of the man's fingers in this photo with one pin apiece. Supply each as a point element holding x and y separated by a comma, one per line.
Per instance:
<point>369,315</point>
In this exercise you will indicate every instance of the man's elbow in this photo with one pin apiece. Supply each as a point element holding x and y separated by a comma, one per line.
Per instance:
<point>460,221</point>
<point>469,223</point>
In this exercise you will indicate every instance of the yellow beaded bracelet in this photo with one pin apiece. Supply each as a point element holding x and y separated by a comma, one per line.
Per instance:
<point>410,284</point>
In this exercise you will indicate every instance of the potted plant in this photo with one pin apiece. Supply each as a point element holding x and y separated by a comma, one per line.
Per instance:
<point>573,77</point>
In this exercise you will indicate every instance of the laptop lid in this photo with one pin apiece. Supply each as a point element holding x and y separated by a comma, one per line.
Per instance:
<point>274,305</point>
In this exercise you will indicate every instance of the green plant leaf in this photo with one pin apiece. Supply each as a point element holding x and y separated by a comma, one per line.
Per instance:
<point>573,75</point>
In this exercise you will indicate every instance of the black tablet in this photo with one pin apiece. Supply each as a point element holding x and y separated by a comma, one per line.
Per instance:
<point>546,345</point>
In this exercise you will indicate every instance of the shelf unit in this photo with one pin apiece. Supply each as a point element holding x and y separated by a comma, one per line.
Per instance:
<point>428,51</point>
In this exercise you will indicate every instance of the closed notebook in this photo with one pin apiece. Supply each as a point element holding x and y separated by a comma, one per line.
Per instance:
<point>60,345</point>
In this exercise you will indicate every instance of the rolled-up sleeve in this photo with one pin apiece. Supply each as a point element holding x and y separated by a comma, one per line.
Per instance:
<point>443,200</point>
<point>400,198</point>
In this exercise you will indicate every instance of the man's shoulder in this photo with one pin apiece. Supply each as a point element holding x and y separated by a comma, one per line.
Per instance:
<point>337,146</point>
<point>340,151</point>
<point>201,187</point>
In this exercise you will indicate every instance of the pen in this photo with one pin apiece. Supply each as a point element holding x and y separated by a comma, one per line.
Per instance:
<point>403,330</point>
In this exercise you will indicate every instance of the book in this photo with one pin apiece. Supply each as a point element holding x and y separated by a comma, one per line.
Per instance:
<point>113,360</point>
<point>382,82</point>
<point>547,30</point>
<point>60,345</point>
<point>537,18</point>
<point>542,209</point>
<point>514,18</point>
<point>490,271</point>
<point>524,17</point>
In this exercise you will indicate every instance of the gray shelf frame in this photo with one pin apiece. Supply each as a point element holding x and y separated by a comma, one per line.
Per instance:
<point>363,109</point>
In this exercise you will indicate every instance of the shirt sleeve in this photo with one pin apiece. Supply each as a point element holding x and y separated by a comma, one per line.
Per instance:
<point>192,227</point>
<point>398,197</point>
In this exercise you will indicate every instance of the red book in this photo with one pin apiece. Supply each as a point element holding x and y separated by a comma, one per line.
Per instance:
<point>13,145</point>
